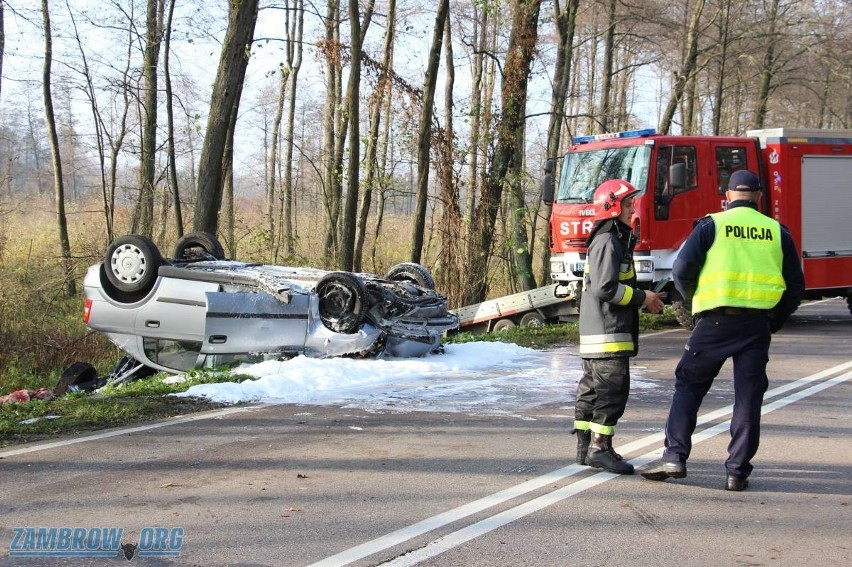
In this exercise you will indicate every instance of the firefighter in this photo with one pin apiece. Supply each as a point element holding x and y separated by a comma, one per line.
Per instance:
<point>609,326</point>
<point>740,270</point>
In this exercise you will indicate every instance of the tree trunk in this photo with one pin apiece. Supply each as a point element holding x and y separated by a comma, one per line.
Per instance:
<point>767,70</point>
<point>522,43</point>
<point>480,31</point>
<point>271,169</point>
<point>294,62</point>
<point>229,208</point>
<point>687,68</point>
<point>424,131</point>
<point>331,184</point>
<point>724,23</point>
<point>144,215</point>
<point>566,20</point>
<point>233,61</point>
<point>59,189</point>
<point>173,177</point>
<point>451,259</point>
<point>377,102</point>
<point>605,96</point>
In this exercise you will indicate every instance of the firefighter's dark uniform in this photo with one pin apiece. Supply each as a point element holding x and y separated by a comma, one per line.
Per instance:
<point>741,273</point>
<point>609,327</point>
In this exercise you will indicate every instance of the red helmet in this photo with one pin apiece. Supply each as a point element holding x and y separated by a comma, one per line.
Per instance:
<point>609,196</point>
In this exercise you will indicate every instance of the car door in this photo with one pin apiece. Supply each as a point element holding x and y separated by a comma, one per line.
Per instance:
<point>251,322</point>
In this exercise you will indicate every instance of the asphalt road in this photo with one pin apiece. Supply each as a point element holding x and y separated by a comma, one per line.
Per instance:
<point>295,486</point>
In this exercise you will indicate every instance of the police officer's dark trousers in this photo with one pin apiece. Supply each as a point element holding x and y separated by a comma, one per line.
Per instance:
<point>718,336</point>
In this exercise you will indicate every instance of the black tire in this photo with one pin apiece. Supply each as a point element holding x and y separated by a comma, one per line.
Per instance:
<point>503,325</point>
<point>198,246</point>
<point>681,311</point>
<point>411,272</point>
<point>131,264</point>
<point>532,319</point>
<point>80,374</point>
<point>342,302</point>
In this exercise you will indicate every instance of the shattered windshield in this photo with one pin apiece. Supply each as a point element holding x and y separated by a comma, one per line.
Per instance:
<point>583,172</point>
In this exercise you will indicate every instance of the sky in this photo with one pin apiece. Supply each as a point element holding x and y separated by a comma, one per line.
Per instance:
<point>479,378</point>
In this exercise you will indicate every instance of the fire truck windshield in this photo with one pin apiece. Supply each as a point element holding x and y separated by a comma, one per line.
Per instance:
<point>584,171</point>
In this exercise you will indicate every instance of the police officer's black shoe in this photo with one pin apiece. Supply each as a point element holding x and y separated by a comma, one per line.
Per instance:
<point>665,470</point>
<point>736,483</point>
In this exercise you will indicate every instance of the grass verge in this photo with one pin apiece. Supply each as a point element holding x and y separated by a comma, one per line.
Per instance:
<point>148,399</point>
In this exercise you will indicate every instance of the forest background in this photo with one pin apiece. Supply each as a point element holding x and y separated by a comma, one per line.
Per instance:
<point>353,134</point>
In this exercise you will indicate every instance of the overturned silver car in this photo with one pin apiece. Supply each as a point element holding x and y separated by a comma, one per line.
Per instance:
<point>199,310</point>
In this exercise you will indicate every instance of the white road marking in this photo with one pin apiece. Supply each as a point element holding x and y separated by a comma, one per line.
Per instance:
<point>123,431</point>
<point>454,539</point>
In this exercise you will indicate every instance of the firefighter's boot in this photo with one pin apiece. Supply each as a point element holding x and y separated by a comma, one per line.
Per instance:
<point>584,439</point>
<point>602,456</point>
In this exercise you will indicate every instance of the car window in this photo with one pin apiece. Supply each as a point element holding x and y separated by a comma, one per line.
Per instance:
<point>728,160</point>
<point>178,355</point>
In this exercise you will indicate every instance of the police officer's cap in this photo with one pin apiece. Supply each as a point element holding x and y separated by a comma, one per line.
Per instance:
<point>743,180</point>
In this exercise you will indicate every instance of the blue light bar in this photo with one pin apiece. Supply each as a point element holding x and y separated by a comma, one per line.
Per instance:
<point>614,135</point>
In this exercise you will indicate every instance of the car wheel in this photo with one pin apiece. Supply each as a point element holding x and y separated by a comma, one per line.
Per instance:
<point>131,264</point>
<point>198,246</point>
<point>411,272</point>
<point>502,325</point>
<point>532,319</point>
<point>342,302</point>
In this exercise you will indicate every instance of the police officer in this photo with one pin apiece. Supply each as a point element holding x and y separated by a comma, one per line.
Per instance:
<point>741,272</point>
<point>609,326</point>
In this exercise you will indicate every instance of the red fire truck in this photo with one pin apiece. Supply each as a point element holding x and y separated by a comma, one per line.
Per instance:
<point>807,180</point>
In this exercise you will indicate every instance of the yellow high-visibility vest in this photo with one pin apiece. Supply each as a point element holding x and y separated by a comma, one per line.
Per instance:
<point>743,266</point>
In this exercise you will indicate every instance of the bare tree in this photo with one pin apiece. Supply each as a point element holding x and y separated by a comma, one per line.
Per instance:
<point>143,217</point>
<point>424,131</point>
<point>295,26</point>
<point>509,150</point>
<point>566,22</point>
<point>242,17</point>
<point>58,186</point>
<point>382,92</point>
<point>687,67</point>
<point>172,157</point>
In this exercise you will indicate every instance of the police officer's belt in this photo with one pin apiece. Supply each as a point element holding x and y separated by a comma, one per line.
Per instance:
<point>734,311</point>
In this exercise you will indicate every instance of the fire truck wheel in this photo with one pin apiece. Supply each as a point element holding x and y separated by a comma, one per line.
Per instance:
<point>532,319</point>
<point>682,312</point>
<point>849,303</point>
<point>502,325</point>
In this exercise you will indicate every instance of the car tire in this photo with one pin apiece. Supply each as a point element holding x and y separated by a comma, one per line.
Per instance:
<point>503,325</point>
<point>198,246</point>
<point>411,272</point>
<point>131,265</point>
<point>342,302</point>
<point>532,319</point>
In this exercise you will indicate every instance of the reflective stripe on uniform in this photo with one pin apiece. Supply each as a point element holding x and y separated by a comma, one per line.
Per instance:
<point>602,429</point>
<point>608,343</point>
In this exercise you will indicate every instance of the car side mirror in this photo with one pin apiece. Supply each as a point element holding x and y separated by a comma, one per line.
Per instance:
<point>547,183</point>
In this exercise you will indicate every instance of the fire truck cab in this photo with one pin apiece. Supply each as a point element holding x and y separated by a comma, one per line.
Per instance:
<point>806,176</point>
